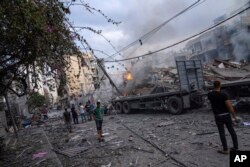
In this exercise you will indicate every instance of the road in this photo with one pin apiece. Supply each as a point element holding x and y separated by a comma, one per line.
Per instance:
<point>146,139</point>
<point>152,139</point>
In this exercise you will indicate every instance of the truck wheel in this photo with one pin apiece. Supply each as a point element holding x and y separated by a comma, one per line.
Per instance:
<point>126,107</point>
<point>118,107</point>
<point>175,105</point>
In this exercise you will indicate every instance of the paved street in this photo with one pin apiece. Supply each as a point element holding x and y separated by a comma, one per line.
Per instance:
<point>139,139</point>
<point>122,63</point>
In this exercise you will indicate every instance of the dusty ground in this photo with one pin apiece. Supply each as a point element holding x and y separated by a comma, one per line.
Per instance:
<point>139,139</point>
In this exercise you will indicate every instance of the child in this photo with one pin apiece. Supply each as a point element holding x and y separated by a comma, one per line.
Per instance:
<point>82,112</point>
<point>98,117</point>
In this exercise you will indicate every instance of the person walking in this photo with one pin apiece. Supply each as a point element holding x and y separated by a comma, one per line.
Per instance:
<point>222,108</point>
<point>98,117</point>
<point>67,120</point>
<point>88,110</point>
<point>82,112</point>
<point>74,114</point>
<point>44,111</point>
<point>91,110</point>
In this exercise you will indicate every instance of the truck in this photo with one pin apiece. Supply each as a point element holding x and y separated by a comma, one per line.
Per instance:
<point>191,94</point>
<point>237,91</point>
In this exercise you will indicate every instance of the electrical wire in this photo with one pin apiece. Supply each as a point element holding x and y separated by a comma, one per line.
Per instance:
<point>100,51</point>
<point>99,33</point>
<point>146,39</point>
<point>184,40</point>
<point>155,29</point>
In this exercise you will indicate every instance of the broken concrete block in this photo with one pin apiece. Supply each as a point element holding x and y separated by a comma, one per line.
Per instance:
<point>167,123</point>
<point>130,138</point>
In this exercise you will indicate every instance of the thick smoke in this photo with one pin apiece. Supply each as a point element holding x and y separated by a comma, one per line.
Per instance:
<point>170,34</point>
<point>146,15</point>
<point>142,16</point>
<point>241,45</point>
<point>105,93</point>
<point>141,69</point>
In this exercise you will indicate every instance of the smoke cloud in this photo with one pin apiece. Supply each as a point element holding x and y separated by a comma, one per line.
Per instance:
<point>241,45</point>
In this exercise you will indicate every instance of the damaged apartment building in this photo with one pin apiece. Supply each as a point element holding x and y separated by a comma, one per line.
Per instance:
<point>82,79</point>
<point>224,51</point>
<point>224,42</point>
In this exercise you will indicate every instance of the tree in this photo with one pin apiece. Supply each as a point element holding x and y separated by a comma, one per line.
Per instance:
<point>36,34</point>
<point>33,33</point>
<point>35,100</point>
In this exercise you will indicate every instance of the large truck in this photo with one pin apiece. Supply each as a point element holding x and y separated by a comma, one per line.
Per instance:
<point>191,94</point>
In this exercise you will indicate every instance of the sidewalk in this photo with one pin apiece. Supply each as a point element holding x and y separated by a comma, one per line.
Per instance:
<point>31,148</point>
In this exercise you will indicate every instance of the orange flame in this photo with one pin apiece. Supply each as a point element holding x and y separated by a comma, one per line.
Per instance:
<point>128,76</point>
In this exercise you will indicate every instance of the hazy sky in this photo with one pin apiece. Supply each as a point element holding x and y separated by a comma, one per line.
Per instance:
<point>140,16</point>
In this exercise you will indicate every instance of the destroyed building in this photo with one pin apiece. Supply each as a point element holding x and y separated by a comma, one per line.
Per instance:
<point>223,50</point>
<point>224,42</point>
<point>152,79</point>
<point>152,75</point>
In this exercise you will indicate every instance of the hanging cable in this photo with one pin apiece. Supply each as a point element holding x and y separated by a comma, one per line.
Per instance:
<point>155,29</point>
<point>98,32</point>
<point>100,51</point>
<point>184,40</point>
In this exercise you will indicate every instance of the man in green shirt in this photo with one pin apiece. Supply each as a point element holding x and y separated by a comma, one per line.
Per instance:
<point>98,117</point>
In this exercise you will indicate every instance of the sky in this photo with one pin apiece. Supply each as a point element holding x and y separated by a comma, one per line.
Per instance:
<point>139,17</point>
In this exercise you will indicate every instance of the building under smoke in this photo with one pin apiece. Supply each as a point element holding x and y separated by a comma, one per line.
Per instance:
<point>224,42</point>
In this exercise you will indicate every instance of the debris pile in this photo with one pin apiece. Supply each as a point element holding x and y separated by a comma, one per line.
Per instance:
<point>31,148</point>
<point>157,139</point>
<point>158,80</point>
<point>226,70</point>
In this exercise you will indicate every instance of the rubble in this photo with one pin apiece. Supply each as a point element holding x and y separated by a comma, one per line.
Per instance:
<point>167,123</point>
<point>230,74</point>
<point>225,71</point>
<point>226,64</point>
<point>206,133</point>
<point>39,155</point>
<point>130,138</point>
<point>71,152</point>
<point>181,140</point>
<point>32,148</point>
<point>108,165</point>
<point>155,81</point>
<point>166,79</point>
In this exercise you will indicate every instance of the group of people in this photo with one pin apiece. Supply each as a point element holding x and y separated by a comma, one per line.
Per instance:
<point>220,103</point>
<point>87,112</point>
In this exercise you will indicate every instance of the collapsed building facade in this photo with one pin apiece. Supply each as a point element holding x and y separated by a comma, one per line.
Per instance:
<point>225,54</point>
<point>224,51</point>
<point>224,42</point>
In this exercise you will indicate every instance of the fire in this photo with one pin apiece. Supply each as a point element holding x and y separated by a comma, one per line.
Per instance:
<point>128,76</point>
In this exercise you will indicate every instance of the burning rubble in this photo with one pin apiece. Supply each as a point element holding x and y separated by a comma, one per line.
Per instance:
<point>127,76</point>
<point>156,78</point>
<point>147,80</point>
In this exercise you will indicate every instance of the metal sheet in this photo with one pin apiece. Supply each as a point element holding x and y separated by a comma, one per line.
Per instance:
<point>190,74</point>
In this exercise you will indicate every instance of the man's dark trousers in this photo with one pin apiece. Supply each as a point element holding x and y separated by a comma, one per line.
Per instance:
<point>220,122</point>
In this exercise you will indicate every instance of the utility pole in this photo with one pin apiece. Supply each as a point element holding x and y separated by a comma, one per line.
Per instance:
<point>110,80</point>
